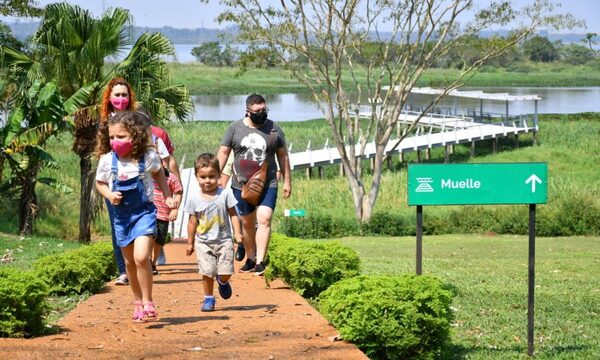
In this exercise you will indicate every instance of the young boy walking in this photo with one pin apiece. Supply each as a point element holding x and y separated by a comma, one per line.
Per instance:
<point>209,234</point>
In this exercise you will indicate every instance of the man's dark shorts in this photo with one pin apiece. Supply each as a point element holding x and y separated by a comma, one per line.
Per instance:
<point>269,198</point>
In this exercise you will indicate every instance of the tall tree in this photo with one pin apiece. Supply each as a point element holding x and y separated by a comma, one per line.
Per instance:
<point>71,47</point>
<point>331,34</point>
<point>39,113</point>
<point>539,48</point>
<point>589,39</point>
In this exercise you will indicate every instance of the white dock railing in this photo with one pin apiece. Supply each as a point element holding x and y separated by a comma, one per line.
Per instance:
<point>449,130</point>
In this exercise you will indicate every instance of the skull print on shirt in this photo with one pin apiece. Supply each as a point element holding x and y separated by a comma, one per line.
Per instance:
<point>256,147</point>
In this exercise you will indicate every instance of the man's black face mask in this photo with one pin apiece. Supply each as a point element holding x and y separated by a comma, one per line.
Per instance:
<point>258,118</point>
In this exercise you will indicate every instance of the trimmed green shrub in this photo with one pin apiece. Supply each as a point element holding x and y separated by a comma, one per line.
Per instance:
<point>309,267</point>
<point>75,272</point>
<point>22,303</point>
<point>103,250</point>
<point>390,317</point>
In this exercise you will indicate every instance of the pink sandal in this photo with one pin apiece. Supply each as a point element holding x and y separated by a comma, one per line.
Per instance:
<point>149,312</point>
<point>138,313</point>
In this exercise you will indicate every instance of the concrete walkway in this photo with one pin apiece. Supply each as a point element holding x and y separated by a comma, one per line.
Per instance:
<point>256,323</point>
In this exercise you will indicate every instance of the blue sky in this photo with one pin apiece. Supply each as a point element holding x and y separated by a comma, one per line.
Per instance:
<point>193,13</point>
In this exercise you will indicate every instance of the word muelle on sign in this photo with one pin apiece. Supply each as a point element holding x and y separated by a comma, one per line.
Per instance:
<point>461,184</point>
<point>474,184</point>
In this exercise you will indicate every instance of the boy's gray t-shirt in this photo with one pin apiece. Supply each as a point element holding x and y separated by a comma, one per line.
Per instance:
<point>213,216</point>
<point>249,146</point>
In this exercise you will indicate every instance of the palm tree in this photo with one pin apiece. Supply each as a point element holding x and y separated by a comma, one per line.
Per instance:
<point>71,47</point>
<point>589,39</point>
<point>38,114</point>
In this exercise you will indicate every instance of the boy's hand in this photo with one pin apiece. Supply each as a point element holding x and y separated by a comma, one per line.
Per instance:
<point>170,202</point>
<point>115,197</point>
<point>173,215</point>
<point>190,249</point>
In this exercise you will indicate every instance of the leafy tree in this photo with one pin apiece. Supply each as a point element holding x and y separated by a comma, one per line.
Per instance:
<point>576,54</point>
<point>472,50</point>
<point>71,47</point>
<point>214,54</point>
<point>342,30</point>
<point>539,48</point>
<point>258,57</point>
<point>38,114</point>
<point>6,37</point>
<point>19,8</point>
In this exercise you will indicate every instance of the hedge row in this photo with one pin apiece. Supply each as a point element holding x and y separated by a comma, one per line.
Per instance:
<point>309,267</point>
<point>387,317</point>
<point>23,293</point>
<point>568,217</point>
<point>79,271</point>
<point>22,303</point>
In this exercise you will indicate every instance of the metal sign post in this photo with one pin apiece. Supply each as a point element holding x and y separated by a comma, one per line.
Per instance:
<point>473,184</point>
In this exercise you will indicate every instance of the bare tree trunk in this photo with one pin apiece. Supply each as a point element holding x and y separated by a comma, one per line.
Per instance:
<point>86,129</point>
<point>28,204</point>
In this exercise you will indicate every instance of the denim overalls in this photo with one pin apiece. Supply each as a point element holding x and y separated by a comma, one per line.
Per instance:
<point>135,215</point>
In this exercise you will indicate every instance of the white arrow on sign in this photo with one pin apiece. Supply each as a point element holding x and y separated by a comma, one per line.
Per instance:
<point>533,179</point>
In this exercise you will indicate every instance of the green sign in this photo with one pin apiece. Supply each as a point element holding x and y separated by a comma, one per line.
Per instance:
<point>294,212</point>
<point>470,184</point>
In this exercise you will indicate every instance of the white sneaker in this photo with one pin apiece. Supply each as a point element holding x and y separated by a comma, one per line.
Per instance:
<point>162,259</point>
<point>122,280</point>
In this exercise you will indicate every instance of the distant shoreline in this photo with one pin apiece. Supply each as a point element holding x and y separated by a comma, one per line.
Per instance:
<point>186,36</point>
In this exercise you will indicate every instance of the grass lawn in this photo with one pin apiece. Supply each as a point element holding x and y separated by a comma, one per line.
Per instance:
<point>489,276</point>
<point>207,80</point>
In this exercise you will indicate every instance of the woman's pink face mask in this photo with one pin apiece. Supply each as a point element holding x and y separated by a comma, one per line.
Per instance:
<point>119,103</point>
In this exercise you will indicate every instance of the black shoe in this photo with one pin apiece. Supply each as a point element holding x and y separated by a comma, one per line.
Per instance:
<point>248,266</point>
<point>154,271</point>
<point>260,268</point>
<point>240,253</point>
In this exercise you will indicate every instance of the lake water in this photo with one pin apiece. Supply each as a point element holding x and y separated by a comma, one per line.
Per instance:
<point>299,107</point>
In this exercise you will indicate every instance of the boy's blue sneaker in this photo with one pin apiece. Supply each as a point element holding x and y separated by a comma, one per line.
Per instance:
<point>208,304</point>
<point>224,288</point>
<point>162,259</point>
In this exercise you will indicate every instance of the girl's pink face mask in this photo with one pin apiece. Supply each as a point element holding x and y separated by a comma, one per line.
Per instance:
<point>119,103</point>
<point>121,147</point>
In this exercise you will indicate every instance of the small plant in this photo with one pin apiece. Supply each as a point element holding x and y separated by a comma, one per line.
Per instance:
<point>390,317</point>
<point>78,271</point>
<point>22,303</point>
<point>308,267</point>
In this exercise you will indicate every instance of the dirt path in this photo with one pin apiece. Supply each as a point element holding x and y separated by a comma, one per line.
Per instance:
<point>255,323</point>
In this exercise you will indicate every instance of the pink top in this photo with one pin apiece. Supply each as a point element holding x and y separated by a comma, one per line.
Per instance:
<point>162,210</point>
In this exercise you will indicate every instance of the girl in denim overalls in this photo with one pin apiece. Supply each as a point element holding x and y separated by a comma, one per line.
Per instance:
<point>124,177</point>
